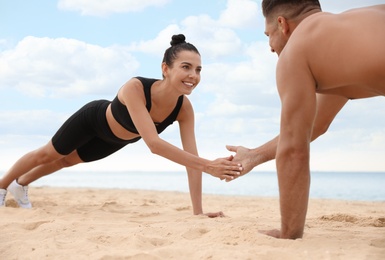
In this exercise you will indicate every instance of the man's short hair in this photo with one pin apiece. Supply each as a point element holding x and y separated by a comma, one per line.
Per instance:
<point>288,8</point>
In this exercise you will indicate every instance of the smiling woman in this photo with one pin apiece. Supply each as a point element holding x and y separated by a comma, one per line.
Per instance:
<point>142,108</point>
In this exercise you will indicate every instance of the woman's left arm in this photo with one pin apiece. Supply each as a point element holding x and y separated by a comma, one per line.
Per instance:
<point>187,133</point>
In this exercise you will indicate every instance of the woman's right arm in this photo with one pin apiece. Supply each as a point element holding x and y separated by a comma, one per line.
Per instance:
<point>132,95</point>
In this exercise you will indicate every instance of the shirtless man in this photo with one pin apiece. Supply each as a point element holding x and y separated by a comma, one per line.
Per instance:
<point>324,60</point>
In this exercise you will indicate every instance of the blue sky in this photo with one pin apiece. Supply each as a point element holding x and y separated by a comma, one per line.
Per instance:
<point>57,55</point>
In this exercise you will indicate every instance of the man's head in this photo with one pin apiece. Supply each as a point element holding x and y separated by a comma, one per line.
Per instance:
<point>280,14</point>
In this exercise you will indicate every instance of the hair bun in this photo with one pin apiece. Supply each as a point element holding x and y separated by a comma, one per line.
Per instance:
<point>177,39</point>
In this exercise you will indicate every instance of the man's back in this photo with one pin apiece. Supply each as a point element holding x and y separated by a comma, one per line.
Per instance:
<point>345,52</point>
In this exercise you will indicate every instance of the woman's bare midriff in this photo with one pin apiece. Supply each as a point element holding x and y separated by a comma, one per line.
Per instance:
<point>118,130</point>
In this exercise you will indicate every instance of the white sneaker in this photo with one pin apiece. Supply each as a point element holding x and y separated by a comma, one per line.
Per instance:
<point>20,193</point>
<point>3,193</point>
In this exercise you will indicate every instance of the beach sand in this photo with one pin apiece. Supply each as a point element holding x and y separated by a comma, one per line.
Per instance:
<point>67,223</point>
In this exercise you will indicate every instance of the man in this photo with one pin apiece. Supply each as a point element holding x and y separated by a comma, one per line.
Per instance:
<point>324,60</point>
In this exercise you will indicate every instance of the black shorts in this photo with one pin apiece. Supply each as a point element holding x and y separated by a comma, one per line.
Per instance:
<point>87,131</point>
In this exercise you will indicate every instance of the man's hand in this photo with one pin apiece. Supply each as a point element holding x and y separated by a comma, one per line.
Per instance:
<point>243,156</point>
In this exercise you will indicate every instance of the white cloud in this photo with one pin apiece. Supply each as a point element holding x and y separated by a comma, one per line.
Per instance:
<point>240,14</point>
<point>39,122</point>
<point>246,82</point>
<point>349,150</point>
<point>212,39</point>
<point>159,44</point>
<point>44,67</point>
<point>104,8</point>
<point>215,39</point>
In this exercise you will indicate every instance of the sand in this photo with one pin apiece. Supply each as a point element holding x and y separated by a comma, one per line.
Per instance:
<point>77,224</point>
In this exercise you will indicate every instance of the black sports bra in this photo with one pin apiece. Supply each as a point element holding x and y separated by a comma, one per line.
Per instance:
<point>122,116</point>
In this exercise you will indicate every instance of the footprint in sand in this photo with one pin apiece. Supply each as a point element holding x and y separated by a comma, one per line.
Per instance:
<point>186,208</point>
<point>113,207</point>
<point>148,214</point>
<point>34,225</point>
<point>378,243</point>
<point>195,233</point>
<point>360,221</point>
<point>147,242</point>
<point>139,256</point>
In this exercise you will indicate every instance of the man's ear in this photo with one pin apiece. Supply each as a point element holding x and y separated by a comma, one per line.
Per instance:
<point>283,25</point>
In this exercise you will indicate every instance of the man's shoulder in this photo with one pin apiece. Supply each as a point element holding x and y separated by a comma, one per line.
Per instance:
<point>312,30</point>
<point>317,22</point>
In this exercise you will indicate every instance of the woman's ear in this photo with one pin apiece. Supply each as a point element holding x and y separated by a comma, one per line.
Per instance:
<point>164,69</point>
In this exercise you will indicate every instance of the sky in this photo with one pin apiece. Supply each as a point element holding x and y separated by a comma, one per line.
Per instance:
<point>57,55</point>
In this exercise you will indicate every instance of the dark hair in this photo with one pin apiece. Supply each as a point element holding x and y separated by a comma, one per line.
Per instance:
<point>178,44</point>
<point>290,8</point>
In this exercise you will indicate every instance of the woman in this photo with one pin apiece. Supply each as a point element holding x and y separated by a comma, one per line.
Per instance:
<point>143,108</point>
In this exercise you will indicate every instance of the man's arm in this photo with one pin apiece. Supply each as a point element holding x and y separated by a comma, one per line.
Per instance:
<point>328,107</point>
<point>296,88</point>
<point>250,158</point>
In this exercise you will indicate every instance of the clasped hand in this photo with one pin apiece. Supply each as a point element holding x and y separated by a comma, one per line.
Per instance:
<point>224,168</point>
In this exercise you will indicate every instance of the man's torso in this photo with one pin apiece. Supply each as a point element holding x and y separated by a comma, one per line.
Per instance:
<point>345,53</point>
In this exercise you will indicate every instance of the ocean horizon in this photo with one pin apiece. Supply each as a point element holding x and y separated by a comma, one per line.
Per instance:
<point>356,186</point>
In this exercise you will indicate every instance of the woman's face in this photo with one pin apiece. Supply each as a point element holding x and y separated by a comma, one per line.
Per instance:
<point>185,72</point>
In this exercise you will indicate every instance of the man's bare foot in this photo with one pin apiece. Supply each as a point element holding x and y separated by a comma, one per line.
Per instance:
<point>215,214</point>
<point>273,233</point>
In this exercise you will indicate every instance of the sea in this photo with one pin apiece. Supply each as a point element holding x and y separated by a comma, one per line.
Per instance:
<point>356,186</point>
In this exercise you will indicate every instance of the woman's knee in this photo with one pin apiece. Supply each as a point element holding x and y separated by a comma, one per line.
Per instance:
<point>46,154</point>
<point>70,160</point>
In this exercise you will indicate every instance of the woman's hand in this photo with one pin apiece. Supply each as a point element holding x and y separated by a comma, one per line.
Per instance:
<point>224,168</point>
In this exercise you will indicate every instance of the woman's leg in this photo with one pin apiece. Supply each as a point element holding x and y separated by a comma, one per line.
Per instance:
<point>42,158</point>
<point>48,168</point>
